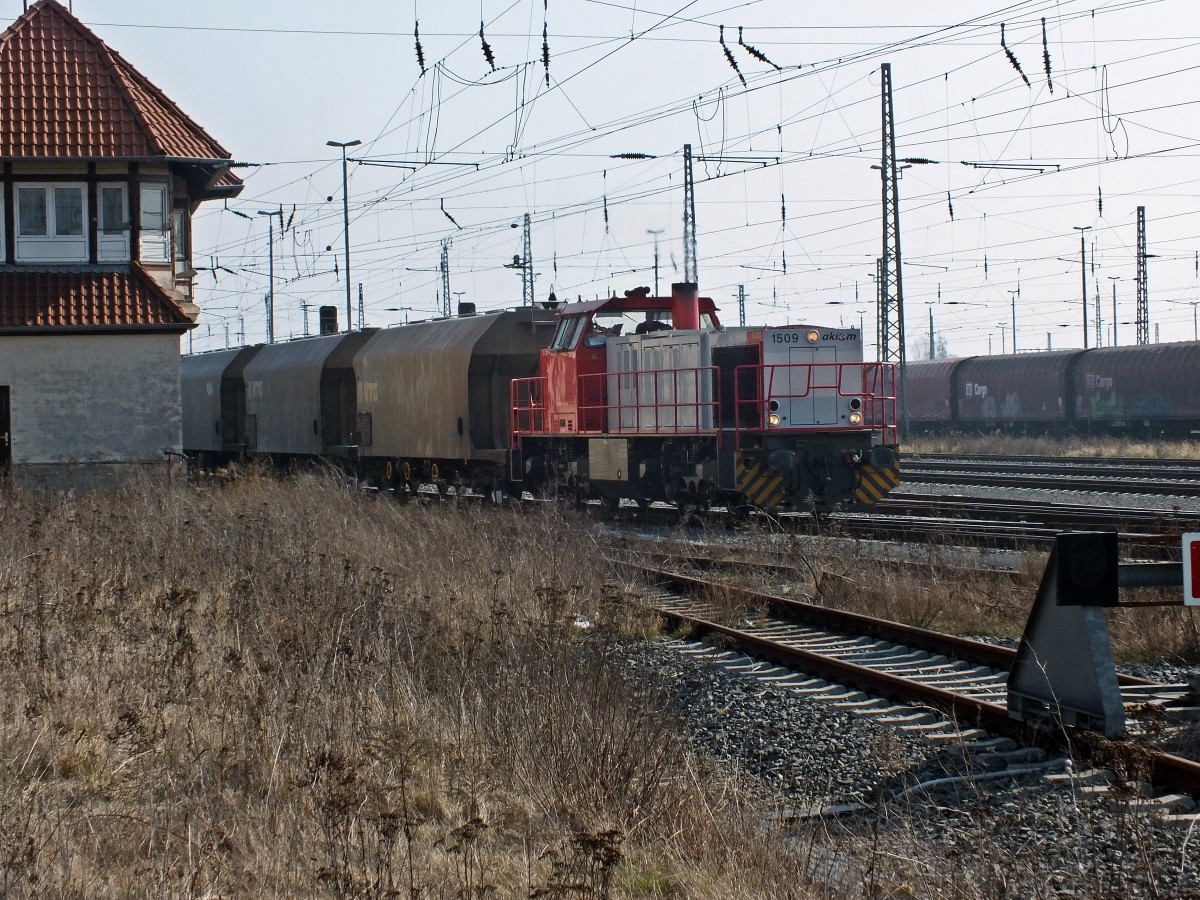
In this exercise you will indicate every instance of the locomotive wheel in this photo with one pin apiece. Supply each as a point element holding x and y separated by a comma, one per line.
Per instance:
<point>691,508</point>
<point>740,511</point>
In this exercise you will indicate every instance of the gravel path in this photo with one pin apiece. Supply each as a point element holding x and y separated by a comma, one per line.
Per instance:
<point>1007,837</point>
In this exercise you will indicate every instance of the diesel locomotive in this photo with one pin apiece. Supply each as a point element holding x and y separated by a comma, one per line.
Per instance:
<point>631,398</point>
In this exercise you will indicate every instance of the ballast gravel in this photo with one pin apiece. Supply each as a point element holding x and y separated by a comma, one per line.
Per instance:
<point>924,829</point>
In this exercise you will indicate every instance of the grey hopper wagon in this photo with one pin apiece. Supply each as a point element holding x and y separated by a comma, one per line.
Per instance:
<point>438,394</point>
<point>300,396</point>
<point>214,402</point>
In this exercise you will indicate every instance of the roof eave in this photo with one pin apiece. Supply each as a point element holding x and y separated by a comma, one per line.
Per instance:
<point>220,192</point>
<point>172,160</point>
<point>158,328</point>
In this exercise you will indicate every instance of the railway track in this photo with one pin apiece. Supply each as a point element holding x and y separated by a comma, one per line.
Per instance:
<point>1014,524</point>
<point>1171,478</point>
<point>871,664</point>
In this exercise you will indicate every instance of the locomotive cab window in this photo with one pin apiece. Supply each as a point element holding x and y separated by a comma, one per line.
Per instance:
<point>567,335</point>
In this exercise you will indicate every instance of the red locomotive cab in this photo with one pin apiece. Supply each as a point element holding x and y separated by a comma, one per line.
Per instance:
<point>571,367</point>
<point>570,396</point>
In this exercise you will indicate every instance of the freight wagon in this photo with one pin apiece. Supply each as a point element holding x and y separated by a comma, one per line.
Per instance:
<point>637,397</point>
<point>1144,389</point>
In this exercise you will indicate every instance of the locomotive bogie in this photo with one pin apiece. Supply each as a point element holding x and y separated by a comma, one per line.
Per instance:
<point>820,472</point>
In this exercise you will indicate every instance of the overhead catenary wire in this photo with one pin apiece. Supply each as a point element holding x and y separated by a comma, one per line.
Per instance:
<point>608,198</point>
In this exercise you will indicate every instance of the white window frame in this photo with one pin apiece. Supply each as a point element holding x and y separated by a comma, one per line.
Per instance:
<point>50,247</point>
<point>154,246</point>
<point>180,226</point>
<point>112,243</point>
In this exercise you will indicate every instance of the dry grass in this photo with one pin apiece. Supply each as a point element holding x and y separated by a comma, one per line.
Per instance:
<point>1082,446</point>
<point>287,689</point>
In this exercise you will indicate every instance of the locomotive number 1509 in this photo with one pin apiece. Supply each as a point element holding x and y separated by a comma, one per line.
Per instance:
<point>787,337</point>
<point>810,336</point>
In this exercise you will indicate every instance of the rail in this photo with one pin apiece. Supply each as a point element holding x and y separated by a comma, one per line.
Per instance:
<point>966,706</point>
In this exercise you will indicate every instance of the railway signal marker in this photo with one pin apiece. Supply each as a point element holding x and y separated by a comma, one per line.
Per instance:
<point>1191,569</point>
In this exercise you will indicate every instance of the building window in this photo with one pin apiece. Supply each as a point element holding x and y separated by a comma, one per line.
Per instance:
<point>155,224</point>
<point>113,217</point>
<point>68,212</point>
<point>112,244</point>
<point>31,212</point>
<point>50,221</point>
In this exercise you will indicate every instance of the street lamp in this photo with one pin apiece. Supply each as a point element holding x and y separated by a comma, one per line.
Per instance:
<point>1015,294</point>
<point>656,232</point>
<point>345,217</point>
<point>1114,279</point>
<point>1083,276</point>
<point>270,214</point>
<point>932,348</point>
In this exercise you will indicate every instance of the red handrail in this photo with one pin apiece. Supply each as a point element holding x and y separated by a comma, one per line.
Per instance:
<point>648,401</point>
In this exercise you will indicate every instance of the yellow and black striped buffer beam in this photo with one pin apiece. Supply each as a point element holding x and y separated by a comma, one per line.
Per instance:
<point>759,483</point>
<point>874,483</point>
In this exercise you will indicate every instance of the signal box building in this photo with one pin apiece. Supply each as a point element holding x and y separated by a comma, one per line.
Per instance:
<point>100,173</point>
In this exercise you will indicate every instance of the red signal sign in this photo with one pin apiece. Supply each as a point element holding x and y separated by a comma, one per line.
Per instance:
<point>1191,569</point>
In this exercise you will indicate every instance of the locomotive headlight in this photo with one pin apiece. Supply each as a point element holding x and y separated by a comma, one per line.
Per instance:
<point>813,337</point>
<point>774,418</point>
<point>855,418</point>
<point>856,403</point>
<point>773,405</point>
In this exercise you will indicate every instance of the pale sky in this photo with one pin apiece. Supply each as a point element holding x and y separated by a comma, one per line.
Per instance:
<point>1114,126</point>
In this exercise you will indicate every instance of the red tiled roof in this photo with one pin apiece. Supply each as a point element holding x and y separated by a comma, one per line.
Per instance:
<point>65,93</point>
<point>87,299</point>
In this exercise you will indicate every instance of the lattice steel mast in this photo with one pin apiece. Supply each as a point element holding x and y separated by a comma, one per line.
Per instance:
<point>1143,291</point>
<point>891,319</point>
<point>444,267</point>
<point>691,271</point>
<point>527,268</point>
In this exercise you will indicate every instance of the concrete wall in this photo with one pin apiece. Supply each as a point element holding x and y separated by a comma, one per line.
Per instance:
<point>92,398</point>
